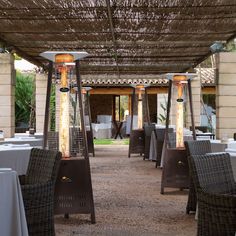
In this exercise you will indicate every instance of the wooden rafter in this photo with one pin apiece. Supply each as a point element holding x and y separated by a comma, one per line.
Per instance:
<point>113,35</point>
<point>122,37</point>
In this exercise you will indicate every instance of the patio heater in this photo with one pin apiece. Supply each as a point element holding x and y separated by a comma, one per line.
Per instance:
<point>174,157</point>
<point>139,116</point>
<point>73,191</point>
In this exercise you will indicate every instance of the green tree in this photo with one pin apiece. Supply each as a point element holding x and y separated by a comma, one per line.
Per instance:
<point>24,98</point>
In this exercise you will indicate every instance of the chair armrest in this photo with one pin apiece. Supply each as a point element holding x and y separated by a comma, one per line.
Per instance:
<point>37,194</point>
<point>221,200</point>
<point>22,179</point>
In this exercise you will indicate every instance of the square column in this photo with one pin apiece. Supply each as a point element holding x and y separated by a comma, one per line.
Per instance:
<point>40,100</point>
<point>7,94</point>
<point>226,95</point>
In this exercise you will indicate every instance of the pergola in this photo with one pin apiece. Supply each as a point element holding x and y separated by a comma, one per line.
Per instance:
<point>131,37</point>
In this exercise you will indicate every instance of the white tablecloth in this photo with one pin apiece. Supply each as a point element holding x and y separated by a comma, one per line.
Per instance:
<point>15,158</point>
<point>12,213</point>
<point>102,130</point>
<point>153,147</point>
<point>34,142</point>
<point>35,135</point>
<point>217,146</point>
<point>104,118</point>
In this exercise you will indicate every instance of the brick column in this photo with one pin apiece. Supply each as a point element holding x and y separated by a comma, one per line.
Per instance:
<point>41,90</point>
<point>7,94</point>
<point>226,95</point>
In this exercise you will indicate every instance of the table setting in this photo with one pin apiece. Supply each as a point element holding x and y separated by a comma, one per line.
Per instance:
<point>12,213</point>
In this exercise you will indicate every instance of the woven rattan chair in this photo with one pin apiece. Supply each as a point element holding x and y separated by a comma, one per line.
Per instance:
<point>216,194</point>
<point>38,191</point>
<point>160,134</point>
<point>196,147</point>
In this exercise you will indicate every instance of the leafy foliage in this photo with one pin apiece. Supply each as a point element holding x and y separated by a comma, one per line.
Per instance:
<point>162,117</point>
<point>25,99</point>
<point>111,141</point>
<point>17,57</point>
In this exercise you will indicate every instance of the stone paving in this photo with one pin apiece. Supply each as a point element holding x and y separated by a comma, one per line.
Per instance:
<point>128,200</point>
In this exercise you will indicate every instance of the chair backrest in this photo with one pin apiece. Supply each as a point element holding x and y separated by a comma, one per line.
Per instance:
<point>148,129</point>
<point>172,139</point>
<point>198,147</point>
<point>160,133</point>
<point>212,172</point>
<point>204,129</point>
<point>43,166</point>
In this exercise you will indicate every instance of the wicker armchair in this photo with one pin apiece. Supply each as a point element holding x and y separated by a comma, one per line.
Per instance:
<point>216,194</point>
<point>38,191</point>
<point>196,147</point>
<point>160,134</point>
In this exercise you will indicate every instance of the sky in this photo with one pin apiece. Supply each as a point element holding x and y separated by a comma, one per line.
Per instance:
<point>24,66</point>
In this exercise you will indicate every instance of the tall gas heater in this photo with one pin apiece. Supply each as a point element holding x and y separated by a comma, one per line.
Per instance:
<point>139,116</point>
<point>175,172</point>
<point>73,193</point>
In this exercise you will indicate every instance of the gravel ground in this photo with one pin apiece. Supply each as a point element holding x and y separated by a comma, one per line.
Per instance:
<point>128,200</point>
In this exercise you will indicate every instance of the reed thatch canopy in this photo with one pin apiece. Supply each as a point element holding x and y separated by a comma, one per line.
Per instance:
<point>122,36</point>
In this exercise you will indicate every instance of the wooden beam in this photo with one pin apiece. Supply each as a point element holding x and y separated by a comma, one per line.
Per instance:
<point>126,90</point>
<point>20,52</point>
<point>209,90</point>
<point>113,35</point>
<point>120,43</point>
<point>135,68</point>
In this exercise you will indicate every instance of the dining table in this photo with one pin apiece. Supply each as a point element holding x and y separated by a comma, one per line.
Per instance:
<point>153,146</point>
<point>35,142</point>
<point>15,156</point>
<point>35,135</point>
<point>12,213</point>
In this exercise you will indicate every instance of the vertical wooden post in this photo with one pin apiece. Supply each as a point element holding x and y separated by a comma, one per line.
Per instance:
<point>47,107</point>
<point>191,108</point>
<point>90,118</point>
<point>132,110</point>
<point>166,138</point>
<point>131,122</point>
<point>168,109</point>
<point>147,106</point>
<point>86,154</point>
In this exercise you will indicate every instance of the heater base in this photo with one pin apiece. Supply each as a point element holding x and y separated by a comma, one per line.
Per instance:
<point>73,191</point>
<point>175,172</point>
<point>136,143</point>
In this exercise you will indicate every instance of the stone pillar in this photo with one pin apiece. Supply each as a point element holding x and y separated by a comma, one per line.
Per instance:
<point>196,96</point>
<point>40,97</point>
<point>7,94</point>
<point>226,95</point>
